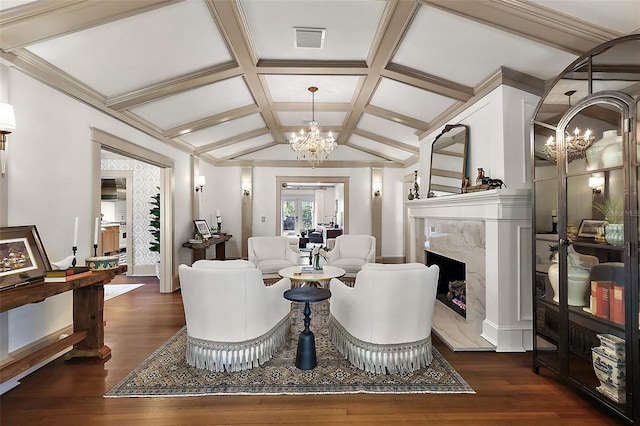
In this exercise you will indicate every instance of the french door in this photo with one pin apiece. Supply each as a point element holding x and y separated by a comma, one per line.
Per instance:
<point>297,214</point>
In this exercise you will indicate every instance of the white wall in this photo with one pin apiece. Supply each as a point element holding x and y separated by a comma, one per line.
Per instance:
<point>498,138</point>
<point>224,192</point>
<point>393,198</point>
<point>49,183</point>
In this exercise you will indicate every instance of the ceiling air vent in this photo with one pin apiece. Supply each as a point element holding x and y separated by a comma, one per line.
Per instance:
<point>312,38</point>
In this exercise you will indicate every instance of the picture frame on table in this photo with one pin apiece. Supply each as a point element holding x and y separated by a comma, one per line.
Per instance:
<point>589,227</point>
<point>202,228</point>
<point>23,258</point>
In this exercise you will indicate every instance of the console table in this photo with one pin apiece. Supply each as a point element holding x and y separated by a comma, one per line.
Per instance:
<point>87,338</point>
<point>200,249</point>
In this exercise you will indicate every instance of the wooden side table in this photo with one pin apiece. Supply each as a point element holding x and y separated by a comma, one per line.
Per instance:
<point>306,351</point>
<point>200,249</point>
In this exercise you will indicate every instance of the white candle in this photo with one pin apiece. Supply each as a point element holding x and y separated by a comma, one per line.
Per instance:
<point>75,233</point>
<point>217,212</point>
<point>95,234</point>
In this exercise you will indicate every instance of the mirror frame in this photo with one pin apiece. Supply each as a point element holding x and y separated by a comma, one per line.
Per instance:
<point>446,173</point>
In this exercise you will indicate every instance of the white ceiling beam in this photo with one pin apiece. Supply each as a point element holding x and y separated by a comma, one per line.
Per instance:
<point>397,17</point>
<point>386,141</point>
<point>306,106</point>
<point>396,117</point>
<point>428,82</point>
<point>174,86</point>
<point>372,152</point>
<point>532,21</point>
<point>247,151</point>
<point>42,20</point>
<point>223,117</point>
<point>230,141</point>
<point>234,29</point>
<point>312,67</point>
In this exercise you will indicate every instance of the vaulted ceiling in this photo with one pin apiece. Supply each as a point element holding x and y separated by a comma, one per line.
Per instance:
<point>224,80</point>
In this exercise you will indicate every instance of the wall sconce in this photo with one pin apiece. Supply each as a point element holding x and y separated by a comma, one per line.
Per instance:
<point>596,183</point>
<point>377,187</point>
<point>7,124</point>
<point>200,182</point>
<point>246,187</point>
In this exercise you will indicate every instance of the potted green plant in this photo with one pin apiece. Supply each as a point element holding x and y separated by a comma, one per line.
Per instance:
<point>613,211</point>
<point>154,226</point>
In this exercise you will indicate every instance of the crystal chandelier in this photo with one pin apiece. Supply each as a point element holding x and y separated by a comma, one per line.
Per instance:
<point>576,145</point>
<point>312,146</point>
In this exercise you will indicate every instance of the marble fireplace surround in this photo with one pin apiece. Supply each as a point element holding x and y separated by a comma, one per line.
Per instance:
<point>490,231</point>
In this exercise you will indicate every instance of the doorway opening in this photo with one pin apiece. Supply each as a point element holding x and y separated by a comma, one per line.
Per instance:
<point>163,167</point>
<point>311,202</point>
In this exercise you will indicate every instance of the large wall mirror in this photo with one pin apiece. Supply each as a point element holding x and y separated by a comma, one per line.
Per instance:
<point>448,161</point>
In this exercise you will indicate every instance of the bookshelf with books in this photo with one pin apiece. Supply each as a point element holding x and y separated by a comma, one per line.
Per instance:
<point>586,293</point>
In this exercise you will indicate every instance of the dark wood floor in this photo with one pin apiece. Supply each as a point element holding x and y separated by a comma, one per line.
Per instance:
<point>137,323</point>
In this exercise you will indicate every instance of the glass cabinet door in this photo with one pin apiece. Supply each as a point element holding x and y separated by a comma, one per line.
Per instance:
<point>546,246</point>
<point>585,146</point>
<point>591,275</point>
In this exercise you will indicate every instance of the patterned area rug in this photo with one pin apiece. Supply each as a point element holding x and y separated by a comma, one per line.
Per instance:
<point>165,373</point>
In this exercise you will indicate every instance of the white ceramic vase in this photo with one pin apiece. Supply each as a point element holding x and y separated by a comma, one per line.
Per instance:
<point>578,283</point>
<point>594,153</point>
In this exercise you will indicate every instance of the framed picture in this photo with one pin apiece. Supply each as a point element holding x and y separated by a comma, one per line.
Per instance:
<point>22,256</point>
<point>202,228</point>
<point>589,227</point>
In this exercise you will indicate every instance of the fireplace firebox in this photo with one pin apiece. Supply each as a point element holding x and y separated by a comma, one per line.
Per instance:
<point>451,281</point>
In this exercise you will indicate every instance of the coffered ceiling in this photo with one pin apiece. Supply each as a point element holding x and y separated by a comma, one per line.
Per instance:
<point>224,80</point>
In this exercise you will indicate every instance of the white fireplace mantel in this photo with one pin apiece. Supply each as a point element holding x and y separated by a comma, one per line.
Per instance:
<point>493,204</point>
<point>506,214</point>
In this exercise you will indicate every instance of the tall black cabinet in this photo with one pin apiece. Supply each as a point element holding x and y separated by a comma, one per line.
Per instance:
<point>586,156</point>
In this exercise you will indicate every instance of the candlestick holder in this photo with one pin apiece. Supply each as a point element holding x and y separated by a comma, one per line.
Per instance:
<point>219,221</point>
<point>73,262</point>
<point>95,250</point>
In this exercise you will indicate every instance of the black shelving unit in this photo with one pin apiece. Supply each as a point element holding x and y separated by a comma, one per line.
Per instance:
<point>575,308</point>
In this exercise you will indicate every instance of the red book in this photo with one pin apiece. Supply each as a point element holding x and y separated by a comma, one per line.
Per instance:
<point>616,304</point>
<point>602,298</point>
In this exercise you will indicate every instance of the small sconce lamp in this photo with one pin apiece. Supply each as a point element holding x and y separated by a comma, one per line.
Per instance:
<point>377,187</point>
<point>596,183</point>
<point>7,124</point>
<point>200,182</point>
<point>246,188</point>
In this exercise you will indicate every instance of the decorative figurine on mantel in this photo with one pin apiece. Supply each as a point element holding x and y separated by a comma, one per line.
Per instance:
<point>416,187</point>
<point>410,196</point>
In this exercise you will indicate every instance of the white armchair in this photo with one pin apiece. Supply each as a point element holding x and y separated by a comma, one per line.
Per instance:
<point>270,254</point>
<point>383,323</point>
<point>350,252</point>
<point>234,322</point>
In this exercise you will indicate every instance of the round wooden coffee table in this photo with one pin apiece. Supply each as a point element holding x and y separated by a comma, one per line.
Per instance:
<point>320,278</point>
